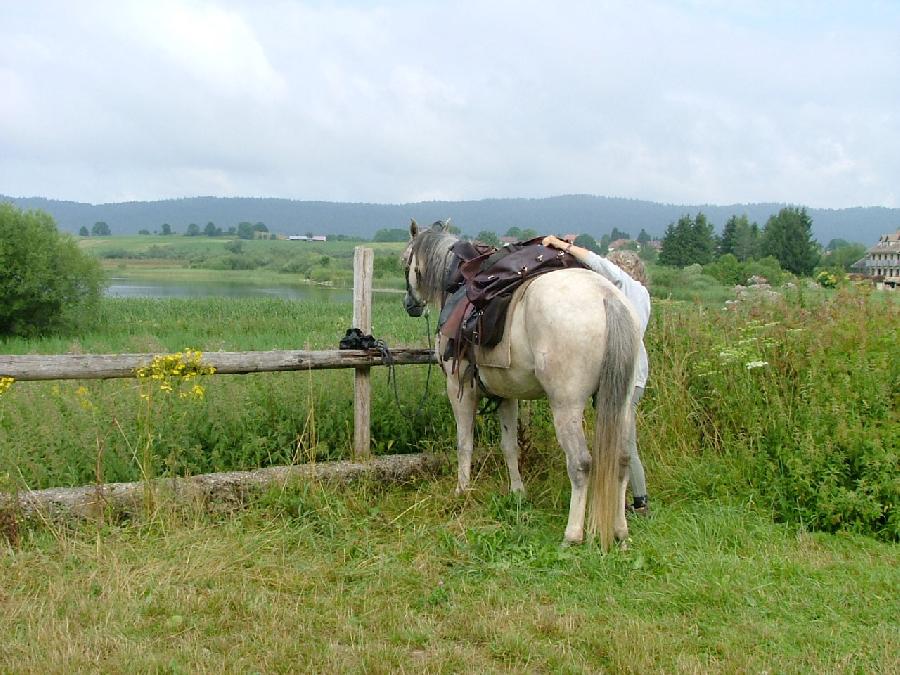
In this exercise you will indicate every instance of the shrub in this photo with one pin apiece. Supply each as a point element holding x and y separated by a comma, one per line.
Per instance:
<point>46,282</point>
<point>791,408</point>
<point>827,279</point>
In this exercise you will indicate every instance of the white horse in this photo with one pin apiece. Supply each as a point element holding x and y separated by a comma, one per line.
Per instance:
<point>571,334</point>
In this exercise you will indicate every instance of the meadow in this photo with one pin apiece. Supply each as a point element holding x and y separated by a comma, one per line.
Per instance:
<point>769,432</point>
<point>252,261</point>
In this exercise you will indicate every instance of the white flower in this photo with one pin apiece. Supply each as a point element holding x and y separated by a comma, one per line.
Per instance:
<point>756,364</point>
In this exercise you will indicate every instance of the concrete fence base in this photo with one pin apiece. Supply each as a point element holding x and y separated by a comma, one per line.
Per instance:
<point>214,488</point>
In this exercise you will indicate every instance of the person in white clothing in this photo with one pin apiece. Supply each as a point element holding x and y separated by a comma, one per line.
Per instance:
<point>626,270</point>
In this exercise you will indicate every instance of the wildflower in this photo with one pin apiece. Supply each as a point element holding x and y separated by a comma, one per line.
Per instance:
<point>756,364</point>
<point>170,370</point>
<point>5,384</point>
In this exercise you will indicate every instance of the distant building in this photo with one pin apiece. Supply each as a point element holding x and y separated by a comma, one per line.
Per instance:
<point>882,261</point>
<point>616,244</point>
<point>306,237</point>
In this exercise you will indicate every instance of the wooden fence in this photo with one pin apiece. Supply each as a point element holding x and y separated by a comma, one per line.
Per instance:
<point>105,366</point>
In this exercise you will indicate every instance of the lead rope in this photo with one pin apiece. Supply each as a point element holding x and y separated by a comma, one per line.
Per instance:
<point>388,360</point>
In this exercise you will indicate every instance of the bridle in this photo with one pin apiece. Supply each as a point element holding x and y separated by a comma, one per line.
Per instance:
<point>414,305</point>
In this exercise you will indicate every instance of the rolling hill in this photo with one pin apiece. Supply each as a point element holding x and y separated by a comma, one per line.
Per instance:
<point>568,213</point>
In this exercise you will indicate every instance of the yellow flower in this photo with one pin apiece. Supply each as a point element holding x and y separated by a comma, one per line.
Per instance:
<point>171,369</point>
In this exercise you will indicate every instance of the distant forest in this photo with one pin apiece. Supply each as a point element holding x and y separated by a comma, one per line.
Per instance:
<point>570,213</point>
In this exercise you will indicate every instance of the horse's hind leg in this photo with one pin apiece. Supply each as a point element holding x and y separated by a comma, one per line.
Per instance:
<point>570,433</point>
<point>463,400</point>
<point>509,441</point>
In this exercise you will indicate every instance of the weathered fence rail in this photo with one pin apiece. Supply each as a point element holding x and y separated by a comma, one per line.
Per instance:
<point>35,367</point>
<point>104,366</point>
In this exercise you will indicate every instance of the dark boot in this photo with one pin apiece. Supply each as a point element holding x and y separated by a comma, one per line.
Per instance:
<point>641,507</point>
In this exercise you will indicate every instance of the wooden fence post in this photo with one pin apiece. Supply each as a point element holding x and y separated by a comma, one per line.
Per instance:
<point>363,259</point>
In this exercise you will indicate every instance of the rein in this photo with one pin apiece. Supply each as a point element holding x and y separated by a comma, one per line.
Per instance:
<point>388,360</point>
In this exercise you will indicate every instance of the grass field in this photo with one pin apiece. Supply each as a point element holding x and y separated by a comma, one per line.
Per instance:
<point>772,545</point>
<point>252,261</point>
<point>369,578</point>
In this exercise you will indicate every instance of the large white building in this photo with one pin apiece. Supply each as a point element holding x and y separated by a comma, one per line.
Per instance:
<point>882,261</point>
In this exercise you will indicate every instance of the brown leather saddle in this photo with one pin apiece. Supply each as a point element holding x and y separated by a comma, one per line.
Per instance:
<point>480,284</point>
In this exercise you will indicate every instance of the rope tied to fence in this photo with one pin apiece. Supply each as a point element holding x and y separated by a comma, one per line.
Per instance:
<point>354,338</point>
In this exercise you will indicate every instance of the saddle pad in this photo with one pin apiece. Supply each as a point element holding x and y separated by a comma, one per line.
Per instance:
<point>500,356</point>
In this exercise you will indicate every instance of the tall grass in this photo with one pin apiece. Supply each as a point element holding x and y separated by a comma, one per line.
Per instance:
<point>790,405</point>
<point>397,578</point>
<point>787,405</point>
<point>51,432</point>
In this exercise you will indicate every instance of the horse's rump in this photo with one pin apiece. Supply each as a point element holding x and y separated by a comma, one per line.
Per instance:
<point>555,337</point>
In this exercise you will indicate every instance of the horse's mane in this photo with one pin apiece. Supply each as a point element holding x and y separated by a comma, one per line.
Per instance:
<point>430,248</point>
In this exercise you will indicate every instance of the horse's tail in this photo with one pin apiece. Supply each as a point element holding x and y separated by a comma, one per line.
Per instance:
<point>613,403</point>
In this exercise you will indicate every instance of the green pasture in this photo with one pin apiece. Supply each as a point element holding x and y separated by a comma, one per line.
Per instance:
<point>253,261</point>
<point>203,259</point>
<point>769,432</point>
<point>387,579</point>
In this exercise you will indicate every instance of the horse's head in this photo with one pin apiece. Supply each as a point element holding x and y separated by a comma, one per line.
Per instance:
<point>412,301</point>
<point>423,262</point>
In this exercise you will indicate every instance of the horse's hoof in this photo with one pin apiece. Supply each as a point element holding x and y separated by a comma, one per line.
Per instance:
<point>566,543</point>
<point>623,544</point>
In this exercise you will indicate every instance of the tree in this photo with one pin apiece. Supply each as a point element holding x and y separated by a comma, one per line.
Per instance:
<point>843,257</point>
<point>587,241</point>
<point>211,230</point>
<point>740,238</point>
<point>747,242</point>
<point>391,234</point>
<point>245,230</point>
<point>788,238</point>
<point>514,232</point>
<point>488,237</point>
<point>618,234</point>
<point>46,282</point>
<point>835,244</point>
<point>643,238</point>
<point>143,231</point>
<point>687,242</point>
<point>166,229</point>
<point>84,232</point>
<point>528,233</point>
<point>193,230</point>
<point>726,243</point>
<point>100,229</point>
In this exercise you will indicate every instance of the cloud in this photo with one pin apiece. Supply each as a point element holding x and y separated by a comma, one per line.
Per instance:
<point>396,101</point>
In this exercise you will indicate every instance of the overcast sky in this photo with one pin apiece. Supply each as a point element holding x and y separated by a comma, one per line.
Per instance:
<point>397,101</point>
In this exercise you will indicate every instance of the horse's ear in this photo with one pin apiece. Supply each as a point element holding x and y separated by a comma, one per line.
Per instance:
<point>413,228</point>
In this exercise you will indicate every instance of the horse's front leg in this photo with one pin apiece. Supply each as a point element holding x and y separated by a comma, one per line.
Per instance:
<point>509,442</point>
<point>463,400</point>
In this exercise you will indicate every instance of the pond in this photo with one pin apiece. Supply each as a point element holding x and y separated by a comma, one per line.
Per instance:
<point>120,287</point>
